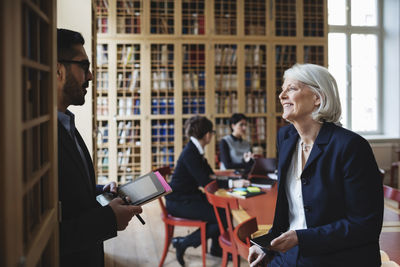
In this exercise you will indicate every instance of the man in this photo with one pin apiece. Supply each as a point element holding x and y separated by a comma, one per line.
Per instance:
<point>85,224</point>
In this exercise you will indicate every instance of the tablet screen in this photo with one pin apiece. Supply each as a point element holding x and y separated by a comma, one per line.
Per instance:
<point>140,189</point>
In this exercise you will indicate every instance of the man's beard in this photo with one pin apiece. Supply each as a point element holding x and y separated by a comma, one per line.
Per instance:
<point>74,91</point>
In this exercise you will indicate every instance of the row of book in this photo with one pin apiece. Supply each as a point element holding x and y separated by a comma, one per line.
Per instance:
<point>102,106</point>
<point>102,54</point>
<point>225,55</point>
<point>193,105</point>
<point>254,55</point>
<point>193,24</point>
<point>128,133</point>
<point>102,133</point>
<point>128,106</point>
<point>102,159</point>
<point>256,130</point>
<point>163,80</point>
<point>194,81</point>
<point>256,103</point>
<point>226,82</point>
<point>162,105</point>
<point>128,55</point>
<point>102,80</point>
<point>253,80</point>
<point>128,80</point>
<point>162,131</point>
<point>226,103</point>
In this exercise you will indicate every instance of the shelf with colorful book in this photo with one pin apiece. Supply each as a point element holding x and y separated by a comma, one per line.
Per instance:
<point>129,16</point>
<point>191,57</point>
<point>102,16</point>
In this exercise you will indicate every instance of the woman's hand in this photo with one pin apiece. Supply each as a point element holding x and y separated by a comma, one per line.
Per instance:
<point>248,156</point>
<point>285,241</point>
<point>256,257</point>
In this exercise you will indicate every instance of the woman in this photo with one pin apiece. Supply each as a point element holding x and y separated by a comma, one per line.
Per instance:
<point>329,208</point>
<point>234,151</point>
<point>186,200</point>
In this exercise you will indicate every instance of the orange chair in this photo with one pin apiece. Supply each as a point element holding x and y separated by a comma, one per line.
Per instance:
<point>170,222</point>
<point>391,193</point>
<point>242,234</point>
<point>226,235</point>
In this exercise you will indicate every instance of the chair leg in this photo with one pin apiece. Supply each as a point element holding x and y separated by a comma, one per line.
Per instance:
<point>236,260</point>
<point>224,258</point>
<point>203,244</point>
<point>169,232</point>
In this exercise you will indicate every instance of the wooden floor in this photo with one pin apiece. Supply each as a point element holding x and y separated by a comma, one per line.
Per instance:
<point>142,245</point>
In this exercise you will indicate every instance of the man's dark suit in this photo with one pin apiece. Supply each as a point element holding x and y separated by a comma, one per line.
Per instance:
<point>342,197</point>
<point>85,224</point>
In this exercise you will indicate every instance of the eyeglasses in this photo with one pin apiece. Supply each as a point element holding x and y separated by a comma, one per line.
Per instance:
<point>84,64</point>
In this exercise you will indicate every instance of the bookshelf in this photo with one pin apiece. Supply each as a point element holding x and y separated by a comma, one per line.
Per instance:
<point>161,62</point>
<point>29,203</point>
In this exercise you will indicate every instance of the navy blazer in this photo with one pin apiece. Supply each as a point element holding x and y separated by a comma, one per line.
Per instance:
<point>342,196</point>
<point>84,224</point>
<point>191,171</point>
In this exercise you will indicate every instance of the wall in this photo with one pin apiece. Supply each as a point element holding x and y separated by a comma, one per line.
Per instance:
<point>77,15</point>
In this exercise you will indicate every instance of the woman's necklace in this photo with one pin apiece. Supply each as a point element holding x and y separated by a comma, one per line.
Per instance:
<point>306,147</point>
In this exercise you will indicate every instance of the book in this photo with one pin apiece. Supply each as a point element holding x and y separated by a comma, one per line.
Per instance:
<point>245,192</point>
<point>262,182</point>
<point>142,190</point>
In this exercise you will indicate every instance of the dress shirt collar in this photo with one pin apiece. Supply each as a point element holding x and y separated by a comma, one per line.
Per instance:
<point>197,144</point>
<point>236,138</point>
<point>65,119</point>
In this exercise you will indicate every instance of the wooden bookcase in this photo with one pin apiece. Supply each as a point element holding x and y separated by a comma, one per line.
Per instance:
<point>161,62</point>
<point>29,202</point>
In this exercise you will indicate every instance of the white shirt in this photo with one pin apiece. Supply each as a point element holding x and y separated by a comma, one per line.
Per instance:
<point>197,144</point>
<point>297,219</point>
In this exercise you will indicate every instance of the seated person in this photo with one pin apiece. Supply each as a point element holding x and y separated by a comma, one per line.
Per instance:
<point>186,200</point>
<point>235,153</point>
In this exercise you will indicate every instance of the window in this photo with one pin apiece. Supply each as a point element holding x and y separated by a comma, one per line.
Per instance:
<point>354,60</point>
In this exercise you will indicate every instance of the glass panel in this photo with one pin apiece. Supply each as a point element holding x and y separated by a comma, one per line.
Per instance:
<point>314,54</point>
<point>337,55</point>
<point>285,57</point>
<point>225,79</point>
<point>162,143</point>
<point>128,79</point>
<point>363,12</point>
<point>128,150</point>
<point>256,78</point>
<point>364,99</point>
<point>102,16</point>
<point>254,17</point>
<point>162,17</point>
<point>102,80</point>
<point>336,12</point>
<point>225,17</point>
<point>313,18</point>
<point>129,16</point>
<point>102,151</point>
<point>162,79</point>
<point>256,135</point>
<point>193,17</point>
<point>193,79</point>
<point>285,17</point>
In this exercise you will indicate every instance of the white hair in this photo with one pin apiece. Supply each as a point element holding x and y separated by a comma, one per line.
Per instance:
<point>321,82</point>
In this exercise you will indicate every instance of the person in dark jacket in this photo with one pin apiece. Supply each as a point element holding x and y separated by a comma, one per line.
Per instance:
<point>235,151</point>
<point>84,223</point>
<point>329,208</point>
<point>186,200</point>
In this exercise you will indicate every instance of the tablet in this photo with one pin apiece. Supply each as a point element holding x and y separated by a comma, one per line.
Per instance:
<point>142,190</point>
